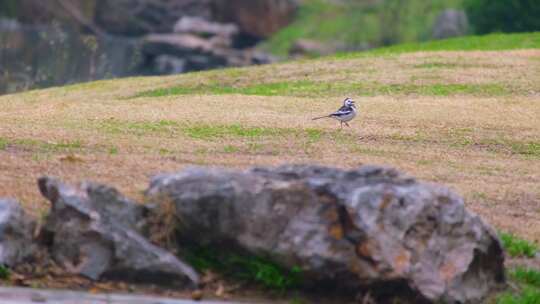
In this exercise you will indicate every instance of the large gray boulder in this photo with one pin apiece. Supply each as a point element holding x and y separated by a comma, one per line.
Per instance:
<point>95,233</point>
<point>370,227</point>
<point>16,231</point>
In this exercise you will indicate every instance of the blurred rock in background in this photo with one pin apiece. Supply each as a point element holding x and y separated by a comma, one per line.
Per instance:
<point>140,17</point>
<point>450,23</point>
<point>47,43</point>
<point>42,56</point>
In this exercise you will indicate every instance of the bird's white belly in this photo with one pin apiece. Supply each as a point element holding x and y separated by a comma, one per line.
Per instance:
<point>346,118</point>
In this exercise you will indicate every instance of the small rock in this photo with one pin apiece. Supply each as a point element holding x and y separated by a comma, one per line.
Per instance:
<point>197,295</point>
<point>95,233</point>
<point>16,231</point>
<point>71,158</point>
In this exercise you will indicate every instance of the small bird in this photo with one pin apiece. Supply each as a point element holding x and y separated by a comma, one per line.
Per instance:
<point>346,113</point>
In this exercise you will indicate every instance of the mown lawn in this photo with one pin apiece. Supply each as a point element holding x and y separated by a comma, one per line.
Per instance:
<point>466,119</point>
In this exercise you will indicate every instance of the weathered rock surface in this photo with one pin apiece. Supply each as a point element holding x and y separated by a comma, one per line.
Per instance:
<point>94,232</point>
<point>450,23</point>
<point>16,230</point>
<point>167,36</point>
<point>198,44</point>
<point>369,227</point>
<point>259,18</point>
<point>70,57</point>
<point>75,57</point>
<point>197,52</point>
<point>203,27</point>
<point>139,17</point>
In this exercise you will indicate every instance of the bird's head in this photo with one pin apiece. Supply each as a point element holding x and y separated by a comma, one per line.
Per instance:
<point>349,102</point>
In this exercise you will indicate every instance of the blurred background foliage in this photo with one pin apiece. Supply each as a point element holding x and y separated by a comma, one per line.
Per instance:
<point>362,24</point>
<point>503,15</point>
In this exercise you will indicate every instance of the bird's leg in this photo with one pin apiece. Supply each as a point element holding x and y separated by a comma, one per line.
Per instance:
<point>341,125</point>
<point>347,124</point>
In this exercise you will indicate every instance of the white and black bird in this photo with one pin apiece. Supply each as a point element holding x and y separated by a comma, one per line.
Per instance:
<point>345,114</point>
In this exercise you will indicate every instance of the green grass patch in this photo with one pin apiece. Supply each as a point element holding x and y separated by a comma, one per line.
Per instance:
<point>3,143</point>
<point>163,151</point>
<point>113,150</point>
<point>293,88</point>
<point>4,273</point>
<point>527,296</point>
<point>437,65</point>
<point>528,284</point>
<point>314,134</point>
<point>370,151</point>
<point>60,146</point>
<point>465,138</point>
<point>244,267</point>
<point>204,131</point>
<point>64,145</point>
<point>441,89</point>
<point>324,89</point>
<point>209,131</point>
<point>138,127</point>
<point>190,90</point>
<point>230,149</point>
<point>517,247</point>
<point>491,42</point>
<point>526,276</point>
<point>454,65</point>
<point>527,148</point>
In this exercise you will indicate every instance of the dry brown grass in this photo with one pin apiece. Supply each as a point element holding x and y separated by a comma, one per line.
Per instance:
<point>485,147</point>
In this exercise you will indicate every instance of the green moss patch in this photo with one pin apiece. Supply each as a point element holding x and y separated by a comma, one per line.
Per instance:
<point>244,267</point>
<point>321,89</point>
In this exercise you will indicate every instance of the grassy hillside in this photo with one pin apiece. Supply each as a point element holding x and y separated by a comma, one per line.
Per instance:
<point>491,42</point>
<point>467,119</point>
<point>361,23</point>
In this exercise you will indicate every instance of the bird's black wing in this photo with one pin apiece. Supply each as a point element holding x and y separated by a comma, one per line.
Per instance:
<point>344,110</point>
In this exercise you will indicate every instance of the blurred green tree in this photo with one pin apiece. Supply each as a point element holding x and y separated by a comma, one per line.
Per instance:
<point>8,8</point>
<point>488,16</point>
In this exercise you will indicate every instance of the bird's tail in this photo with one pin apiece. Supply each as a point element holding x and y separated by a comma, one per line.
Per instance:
<point>325,116</point>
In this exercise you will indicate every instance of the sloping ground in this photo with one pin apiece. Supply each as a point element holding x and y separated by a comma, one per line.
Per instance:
<point>469,120</point>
